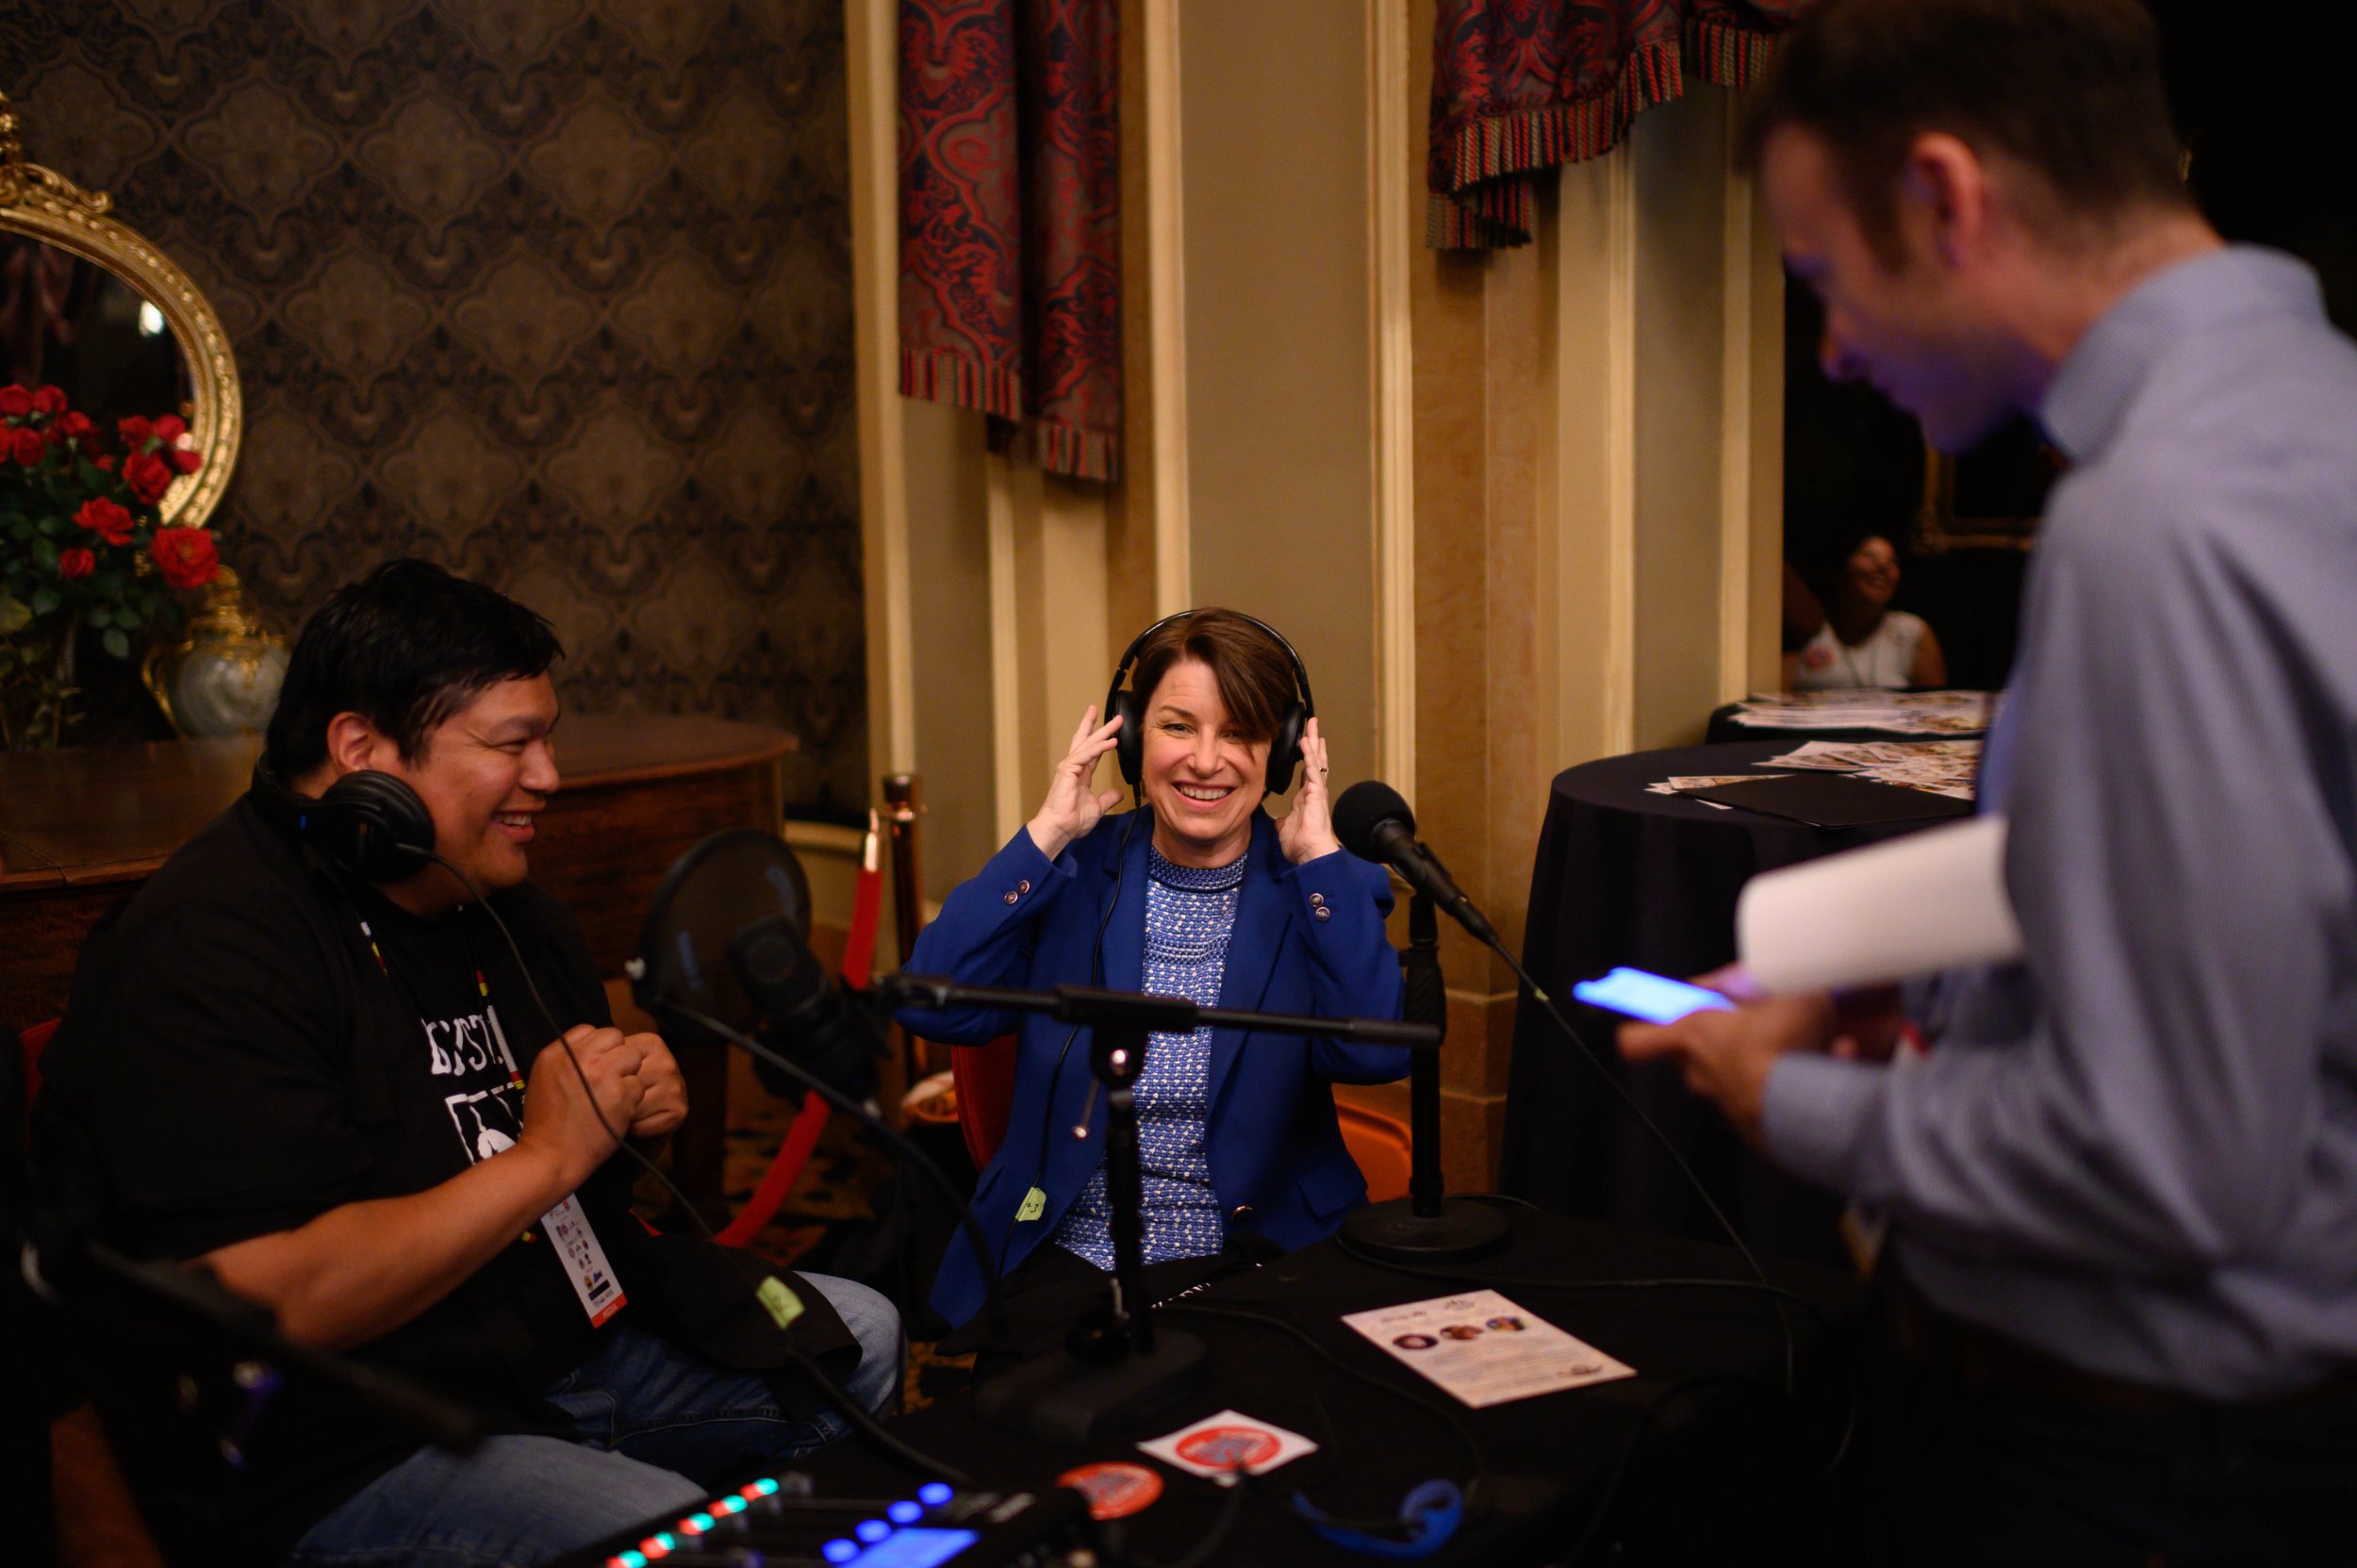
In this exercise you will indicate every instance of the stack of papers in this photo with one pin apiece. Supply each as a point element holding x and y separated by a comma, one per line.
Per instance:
<point>1905,713</point>
<point>1947,767</point>
<point>1685,783</point>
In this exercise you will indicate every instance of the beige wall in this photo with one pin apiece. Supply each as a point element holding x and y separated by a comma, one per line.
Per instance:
<point>1279,442</point>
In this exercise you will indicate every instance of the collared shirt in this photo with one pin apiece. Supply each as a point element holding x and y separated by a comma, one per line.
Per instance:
<point>1190,914</point>
<point>2136,1149</point>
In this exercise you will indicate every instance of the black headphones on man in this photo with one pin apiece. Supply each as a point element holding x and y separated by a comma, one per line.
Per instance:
<point>369,823</point>
<point>1284,752</point>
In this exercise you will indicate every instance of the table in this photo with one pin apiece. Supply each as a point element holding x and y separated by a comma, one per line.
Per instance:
<point>1693,1457</point>
<point>83,826</point>
<point>1626,877</point>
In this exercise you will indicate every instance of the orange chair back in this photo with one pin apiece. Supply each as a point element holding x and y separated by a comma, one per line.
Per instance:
<point>1380,1145</point>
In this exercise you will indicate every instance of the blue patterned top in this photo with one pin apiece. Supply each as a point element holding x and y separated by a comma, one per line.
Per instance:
<point>1190,912</point>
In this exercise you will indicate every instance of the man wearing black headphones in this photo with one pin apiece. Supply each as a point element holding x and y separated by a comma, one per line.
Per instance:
<point>304,1058</point>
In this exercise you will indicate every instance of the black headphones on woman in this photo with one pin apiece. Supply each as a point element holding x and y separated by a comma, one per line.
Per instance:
<point>1284,752</point>
<point>369,823</point>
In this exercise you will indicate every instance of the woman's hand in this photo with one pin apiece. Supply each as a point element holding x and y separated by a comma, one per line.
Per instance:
<point>1307,830</point>
<point>1073,805</point>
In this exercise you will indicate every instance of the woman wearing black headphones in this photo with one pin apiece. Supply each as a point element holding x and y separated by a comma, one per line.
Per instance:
<point>1199,894</point>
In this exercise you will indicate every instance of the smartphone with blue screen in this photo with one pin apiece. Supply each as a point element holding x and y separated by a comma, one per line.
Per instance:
<point>1654,998</point>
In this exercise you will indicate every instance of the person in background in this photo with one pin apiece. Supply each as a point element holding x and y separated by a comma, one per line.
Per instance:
<point>2121,1184</point>
<point>1197,893</point>
<point>1863,641</point>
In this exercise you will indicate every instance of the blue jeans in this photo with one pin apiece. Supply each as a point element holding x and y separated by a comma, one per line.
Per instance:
<point>659,1427</point>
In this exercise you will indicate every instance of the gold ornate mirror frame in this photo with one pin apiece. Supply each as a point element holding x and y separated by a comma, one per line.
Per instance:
<point>48,207</point>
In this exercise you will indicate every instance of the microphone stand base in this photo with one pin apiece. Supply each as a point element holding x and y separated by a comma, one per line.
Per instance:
<point>1393,1233</point>
<point>1072,1399</point>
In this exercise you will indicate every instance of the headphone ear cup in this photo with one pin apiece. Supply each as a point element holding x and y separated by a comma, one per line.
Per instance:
<point>1284,751</point>
<point>1130,740</point>
<point>375,825</point>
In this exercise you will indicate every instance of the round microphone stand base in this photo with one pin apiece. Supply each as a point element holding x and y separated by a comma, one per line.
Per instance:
<point>1393,1233</point>
<point>1068,1398</point>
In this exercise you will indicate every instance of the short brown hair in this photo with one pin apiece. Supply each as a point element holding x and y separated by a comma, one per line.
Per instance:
<point>2072,89</point>
<point>1254,673</point>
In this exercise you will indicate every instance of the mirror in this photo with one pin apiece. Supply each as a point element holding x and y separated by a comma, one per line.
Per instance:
<point>89,306</point>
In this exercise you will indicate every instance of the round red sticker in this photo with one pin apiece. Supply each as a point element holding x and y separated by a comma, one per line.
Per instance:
<point>1228,1448</point>
<point>1114,1489</point>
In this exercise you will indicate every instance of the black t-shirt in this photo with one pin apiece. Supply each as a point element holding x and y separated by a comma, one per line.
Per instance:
<point>258,1039</point>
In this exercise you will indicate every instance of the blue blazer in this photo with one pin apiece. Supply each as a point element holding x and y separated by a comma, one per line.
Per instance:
<point>1307,940</point>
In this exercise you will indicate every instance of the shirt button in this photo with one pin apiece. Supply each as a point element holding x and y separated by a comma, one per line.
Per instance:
<point>1012,895</point>
<point>1023,887</point>
<point>1243,1211</point>
<point>1321,912</point>
<point>1316,899</point>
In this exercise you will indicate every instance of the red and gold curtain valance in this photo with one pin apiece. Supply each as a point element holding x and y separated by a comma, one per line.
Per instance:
<point>1009,222</point>
<point>1522,85</point>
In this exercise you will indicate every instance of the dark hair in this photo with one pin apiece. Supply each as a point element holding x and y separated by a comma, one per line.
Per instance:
<point>2072,89</point>
<point>1254,674</point>
<point>404,646</point>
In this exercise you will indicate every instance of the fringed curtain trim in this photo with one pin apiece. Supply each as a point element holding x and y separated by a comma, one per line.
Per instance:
<point>1482,193</point>
<point>938,375</point>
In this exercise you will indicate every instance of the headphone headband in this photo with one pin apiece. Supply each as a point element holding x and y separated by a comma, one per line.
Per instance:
<point>1301,671</point>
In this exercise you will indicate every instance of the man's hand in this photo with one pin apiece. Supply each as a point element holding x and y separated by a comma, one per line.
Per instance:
<point>664,1105</point>
<point>565,1124</point>
<point>1726,1055</point>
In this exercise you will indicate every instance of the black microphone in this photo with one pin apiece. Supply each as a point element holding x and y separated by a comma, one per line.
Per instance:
<point>1373,823</point>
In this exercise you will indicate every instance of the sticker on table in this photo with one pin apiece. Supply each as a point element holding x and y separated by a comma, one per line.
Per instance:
<point>1219,1445</point>
<point>1486,1350</point>
<point>1114,1488</point>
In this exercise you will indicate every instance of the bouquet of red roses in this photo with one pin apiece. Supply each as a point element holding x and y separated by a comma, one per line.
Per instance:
<point>83,543</point>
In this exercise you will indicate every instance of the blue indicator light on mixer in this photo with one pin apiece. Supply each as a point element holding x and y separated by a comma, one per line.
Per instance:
<point>934,1493</point>
<point>871,1530</point>
<point>905,1512</point>
<point>839,1551</point>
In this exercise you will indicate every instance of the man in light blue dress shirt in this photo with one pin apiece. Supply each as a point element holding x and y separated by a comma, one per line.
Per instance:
<point>2123,1179</point>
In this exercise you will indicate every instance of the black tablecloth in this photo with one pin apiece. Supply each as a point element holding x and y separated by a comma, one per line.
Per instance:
<point>1626,877</point>
<point>1698,1457</point>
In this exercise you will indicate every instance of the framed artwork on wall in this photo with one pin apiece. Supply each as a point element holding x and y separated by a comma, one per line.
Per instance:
<point>1989,498</point>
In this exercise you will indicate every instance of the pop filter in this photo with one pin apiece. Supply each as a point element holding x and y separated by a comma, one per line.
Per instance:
<point>727,939</point>
<point>737,880</point>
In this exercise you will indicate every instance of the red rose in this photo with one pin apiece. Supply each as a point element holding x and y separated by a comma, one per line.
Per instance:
<point>170,428</point>
<point>15,402</point>
<point>186,556</point>
<point>148,475</point>
<point>75,563</point>
<point>187,459</point>
<point>27,446</point>
<point>106,518</point>
<point>107,463</point>
<point>49,400</point>
<point>72,427</point>
<point>134,431</point>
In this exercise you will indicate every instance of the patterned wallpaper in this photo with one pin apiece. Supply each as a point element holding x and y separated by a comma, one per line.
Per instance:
<point>556,293</point>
